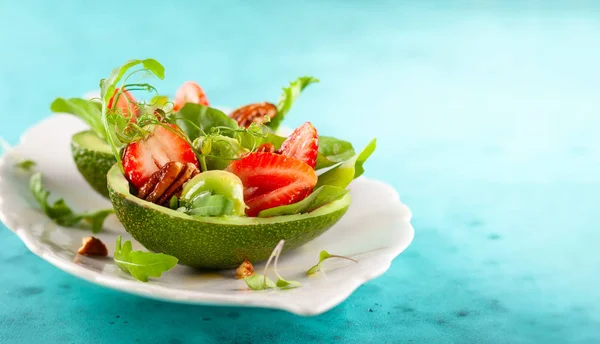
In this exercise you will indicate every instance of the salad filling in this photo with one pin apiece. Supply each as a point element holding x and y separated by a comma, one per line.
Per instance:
<point>197,160</point>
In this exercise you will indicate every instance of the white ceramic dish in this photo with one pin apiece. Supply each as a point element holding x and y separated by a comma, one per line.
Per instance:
<point>375,230</point>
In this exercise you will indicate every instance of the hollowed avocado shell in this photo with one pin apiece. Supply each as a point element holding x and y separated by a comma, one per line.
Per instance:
<point>93,158</point>
<point>215,242</point>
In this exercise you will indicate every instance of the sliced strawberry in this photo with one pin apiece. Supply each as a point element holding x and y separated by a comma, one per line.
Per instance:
<point>125,105</point>
<point>302,144</point>
<point>142,158</point>
<point>189,92</point>
<point>289,194</point>
<point>271,180</point>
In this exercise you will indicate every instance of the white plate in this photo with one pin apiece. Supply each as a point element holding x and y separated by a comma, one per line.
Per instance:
<point>375,230</point>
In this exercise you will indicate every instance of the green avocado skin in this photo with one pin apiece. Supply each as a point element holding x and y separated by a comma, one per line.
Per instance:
<point>93,166</point>
<point>215,246</point>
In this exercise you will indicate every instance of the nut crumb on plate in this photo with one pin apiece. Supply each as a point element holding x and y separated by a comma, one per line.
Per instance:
<point>244,270</point>
<point>91,246</point>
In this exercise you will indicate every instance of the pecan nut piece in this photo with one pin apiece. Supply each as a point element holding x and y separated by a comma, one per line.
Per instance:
<point>91,246</point>
<point>244,270</point>
<point>253,113</point>
<point>167,182</point>
<point>266,147</point>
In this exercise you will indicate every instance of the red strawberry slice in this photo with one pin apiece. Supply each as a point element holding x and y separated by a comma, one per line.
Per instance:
<point>189,92</point>
<point>125,105</point>
<point>142,158</point>
<point>289,194</point>
<point>302,144</point>
<point>271,180</point>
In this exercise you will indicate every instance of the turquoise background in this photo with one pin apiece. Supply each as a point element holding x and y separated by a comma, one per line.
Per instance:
<point>487,116</point>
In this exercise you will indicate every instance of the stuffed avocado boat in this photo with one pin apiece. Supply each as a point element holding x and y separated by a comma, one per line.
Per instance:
<point>210,189</point>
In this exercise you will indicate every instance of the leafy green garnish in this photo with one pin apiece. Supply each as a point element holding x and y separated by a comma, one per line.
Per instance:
<point>251,140</point>
<point>220,150</point>
<point>142,265</point>
<point>60,212</point>
<point>107,91</point>
<point>87,110</point>
<point>197,120</point>
<point>344,173</point>
<point>261,282</point>
<point>333,151</point>
<point>174,203</point>
<point>318,198</point>
<point>108,85</point>
<point>25,165</point>
<point>324,255</point>
<point>283,284</point>
<point>159,101</point>
<point>288,97</point>
<point>207,204</point>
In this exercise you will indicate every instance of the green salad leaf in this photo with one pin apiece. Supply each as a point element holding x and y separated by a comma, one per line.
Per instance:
<point>318,198</point>
<point>60,212</point>
<point>284,284</point>
<point>26,165</point>
<point>251,141</point>
<point>288,97</point>
<point>197,120</point>
<point>344,173</point>
<point>142,265</point>
<point>324,255</point>
<point>220,150</point>
<point>87,110</point>
<point>207,204</point>
<point>333,151</point>
<point>159,101</point>
<point>259,282</point>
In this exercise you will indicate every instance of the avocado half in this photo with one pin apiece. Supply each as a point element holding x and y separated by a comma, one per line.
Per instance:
<point>215,242</point>
<point>93,158</point>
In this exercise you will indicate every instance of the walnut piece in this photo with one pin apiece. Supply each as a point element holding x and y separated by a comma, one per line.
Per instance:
<point>253,113</point>
<point>167,182</point>
<point>92,246</point>
<point>244,270</point>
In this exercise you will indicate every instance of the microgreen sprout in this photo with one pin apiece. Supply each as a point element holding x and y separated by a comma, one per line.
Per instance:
<point>324,255</point>
<point>25,165</point>
<point>261,281</point>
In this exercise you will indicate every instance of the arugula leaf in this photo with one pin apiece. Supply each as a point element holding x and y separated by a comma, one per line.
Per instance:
<point>25,165</point>
<point>283,284</point>
<point>319,197</point>
<point>142,265</point>
<point>288,97</point>
<point>87,110</point>
<point>333,151</point>
<point>96,219</point>
<point>60,212</point>
<point>206,204</point>
<point>324,255</point>
<point>197,120</point>
<point>344,173</point>
<point>259,282</point>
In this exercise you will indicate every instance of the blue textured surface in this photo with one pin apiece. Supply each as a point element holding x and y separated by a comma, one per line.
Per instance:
<point>487,118</point>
